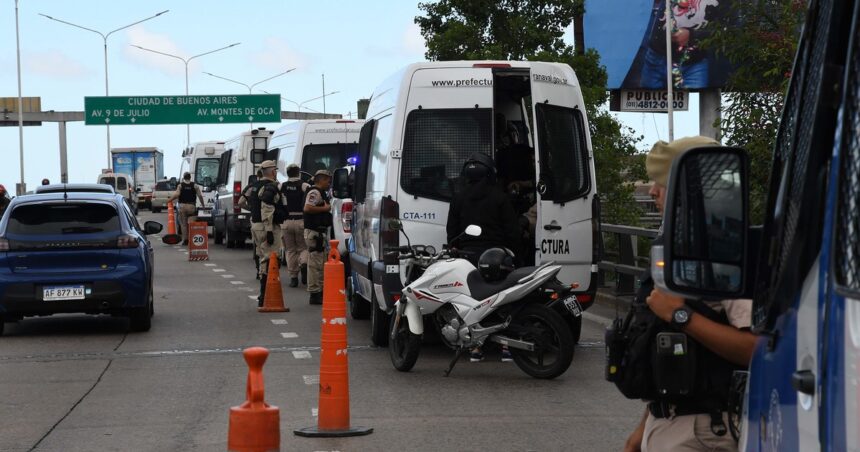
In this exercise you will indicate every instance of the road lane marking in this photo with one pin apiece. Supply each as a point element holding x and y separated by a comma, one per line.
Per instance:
<point>218,270</point>
<point>163,353</point>
<point>314,412</point>
<point>211,265</point>
<point>252,297</point>
<point>228,276</point>
<point>279,321</point>
<point>289,335</point>
<point>599,319</point>
<point>311,379</point>
<point>301,354</point>
<point>236,283</point>
<point>247,289</point>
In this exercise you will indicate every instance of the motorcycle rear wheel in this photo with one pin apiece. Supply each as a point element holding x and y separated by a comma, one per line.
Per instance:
<point>405,346</point>
<point>546,329</point>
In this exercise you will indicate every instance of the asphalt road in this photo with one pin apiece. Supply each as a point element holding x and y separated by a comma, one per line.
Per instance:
<point>79,383</point>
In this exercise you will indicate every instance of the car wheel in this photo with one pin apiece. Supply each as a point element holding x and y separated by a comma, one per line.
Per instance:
<point>379,323</point>
<point>359,308</point>
<point>156,210</point>
<point>2,325</point>
<point>141,318</point>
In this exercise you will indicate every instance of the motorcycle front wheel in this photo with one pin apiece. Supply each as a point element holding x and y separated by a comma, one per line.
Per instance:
<point>404,347</point>
<point>552,339</point>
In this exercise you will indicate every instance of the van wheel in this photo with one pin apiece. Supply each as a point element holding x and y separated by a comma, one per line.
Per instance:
<point>359,308</point>
<point>378,323</point>
<point>231,242</point>
<point>217,236</point>
<point>156,210</point>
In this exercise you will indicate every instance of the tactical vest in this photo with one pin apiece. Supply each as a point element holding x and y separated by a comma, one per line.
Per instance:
<point>187,193</point>
<point>292,191</point>
<point>254,201</point>
<point>317,221</point>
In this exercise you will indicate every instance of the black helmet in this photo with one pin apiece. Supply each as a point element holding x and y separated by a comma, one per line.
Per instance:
<point>496,264</point>
<point>478,166</point>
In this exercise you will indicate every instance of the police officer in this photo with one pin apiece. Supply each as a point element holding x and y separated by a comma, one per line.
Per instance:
<point>718,330</point>
<point>270,231</point>
<point>249,201</point>
<point>317,219</point>
<point>188,194</point>
<point>293,191</point>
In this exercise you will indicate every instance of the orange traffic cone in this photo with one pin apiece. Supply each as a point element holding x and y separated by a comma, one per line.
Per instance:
<point>274,299</point>
<point>254,425</point>
<point>333,415</point>
<point>171,238</point>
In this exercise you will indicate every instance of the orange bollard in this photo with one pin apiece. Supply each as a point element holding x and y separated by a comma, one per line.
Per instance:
<point>172,238</point>
<point>333,413</point>
<point>254,425</point>
<point>274,299</point>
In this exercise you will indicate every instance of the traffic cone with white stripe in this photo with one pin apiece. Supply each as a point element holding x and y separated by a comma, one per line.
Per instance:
<point>273,299</point>
<point>172,238</point>
<point>333,413</point>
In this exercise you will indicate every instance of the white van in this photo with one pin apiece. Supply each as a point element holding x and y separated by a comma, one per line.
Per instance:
<point>122,184</point>
<point>320,144</point>
<point>424,122</point>
<point>239,163</point>
<point>205,166</point>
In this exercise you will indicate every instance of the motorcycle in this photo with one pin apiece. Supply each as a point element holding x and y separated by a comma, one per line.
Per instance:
<point>518,312</point>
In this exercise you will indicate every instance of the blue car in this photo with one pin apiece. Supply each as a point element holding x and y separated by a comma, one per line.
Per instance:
<point>75,253</point>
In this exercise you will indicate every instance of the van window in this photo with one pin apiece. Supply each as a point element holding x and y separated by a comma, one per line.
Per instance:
<point>329,156</point>
<point>67,218</point>
<point>435,145</point>
<point>379,150</point>
<point>563,153</point>
<point>207,169</point>
<point>121,184</point>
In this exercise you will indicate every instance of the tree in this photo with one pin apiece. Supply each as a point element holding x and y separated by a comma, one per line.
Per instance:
<point>762,49</point>
<point>533,30</point>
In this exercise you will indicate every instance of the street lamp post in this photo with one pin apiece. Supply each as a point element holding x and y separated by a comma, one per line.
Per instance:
<point>292,102</point>
<point>318,97</point>
<point>186,61</point>
<point>250,87</point>
<point>23,188</point>
<point>105,37</point>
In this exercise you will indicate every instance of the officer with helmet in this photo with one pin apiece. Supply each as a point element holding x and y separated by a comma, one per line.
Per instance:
<point>482,202</point>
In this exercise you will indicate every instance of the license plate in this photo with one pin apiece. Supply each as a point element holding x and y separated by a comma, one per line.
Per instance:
<point>572,305</point>
<point>63,293</point>
<point>204,214</point>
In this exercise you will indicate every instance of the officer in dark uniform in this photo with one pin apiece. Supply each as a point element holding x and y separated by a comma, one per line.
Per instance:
<point>293,191</point>
<point>318,220</point>
<point>250,202</point>
<point>188,194</point>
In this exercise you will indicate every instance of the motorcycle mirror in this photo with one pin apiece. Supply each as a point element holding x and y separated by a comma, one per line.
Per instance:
<point>395,225</point>
<point>473,230</point>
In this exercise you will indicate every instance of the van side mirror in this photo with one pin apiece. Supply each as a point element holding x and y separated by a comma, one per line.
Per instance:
<point>705,240</point>
<point>340,184</point>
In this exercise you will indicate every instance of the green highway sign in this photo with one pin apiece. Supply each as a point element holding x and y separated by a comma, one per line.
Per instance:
<point>133,110</point>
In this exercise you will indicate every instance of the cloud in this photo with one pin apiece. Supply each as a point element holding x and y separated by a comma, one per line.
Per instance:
<point>278,55</point>
<point>53,63</point>
<point>138,35</point>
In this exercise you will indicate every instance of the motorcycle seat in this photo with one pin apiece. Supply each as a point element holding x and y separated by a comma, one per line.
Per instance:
<point>481,289</point>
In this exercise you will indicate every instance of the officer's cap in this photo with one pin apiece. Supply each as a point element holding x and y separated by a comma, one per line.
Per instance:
<point>323,172</point>
<point>658,162</point>
<point>269,164</point>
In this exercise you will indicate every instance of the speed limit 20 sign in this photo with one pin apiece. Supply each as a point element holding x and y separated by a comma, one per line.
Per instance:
<point>198,246</point>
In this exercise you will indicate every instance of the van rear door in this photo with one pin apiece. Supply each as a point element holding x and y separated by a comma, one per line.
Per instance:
<point>565,173</point>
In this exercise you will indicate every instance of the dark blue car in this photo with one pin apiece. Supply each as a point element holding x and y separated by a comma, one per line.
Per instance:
<point>75,253</point>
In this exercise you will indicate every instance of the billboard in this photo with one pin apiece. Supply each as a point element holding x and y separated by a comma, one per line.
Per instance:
<point>630,36</point>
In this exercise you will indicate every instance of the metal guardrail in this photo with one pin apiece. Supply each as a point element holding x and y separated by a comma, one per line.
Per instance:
<point>626,269</point>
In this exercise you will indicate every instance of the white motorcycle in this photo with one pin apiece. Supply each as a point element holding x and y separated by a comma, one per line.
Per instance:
<point>517,312</point>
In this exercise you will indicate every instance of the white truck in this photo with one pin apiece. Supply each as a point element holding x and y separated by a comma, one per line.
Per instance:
<point>145,165</point>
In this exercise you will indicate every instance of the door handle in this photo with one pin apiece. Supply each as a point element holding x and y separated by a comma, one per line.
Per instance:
<point>803,381</point>
<point>552,227</point>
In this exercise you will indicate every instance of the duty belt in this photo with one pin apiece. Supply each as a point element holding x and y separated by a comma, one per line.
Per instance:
<point>666,410</point>
<point>294,216</point>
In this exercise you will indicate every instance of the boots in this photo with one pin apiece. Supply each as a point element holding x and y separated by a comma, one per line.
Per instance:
<point>315,298</point>
<point>262,291</point>
<point>294,282</point>
<point>304,271</point>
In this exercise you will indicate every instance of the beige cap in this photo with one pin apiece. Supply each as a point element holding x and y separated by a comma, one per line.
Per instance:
<point>322,172</point>
<point>658,163</point>
<point>268,164</point>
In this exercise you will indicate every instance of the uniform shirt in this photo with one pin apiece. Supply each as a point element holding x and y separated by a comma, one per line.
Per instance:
<point>267,211</point>
<point>739,311</point>
<point>314,199</point>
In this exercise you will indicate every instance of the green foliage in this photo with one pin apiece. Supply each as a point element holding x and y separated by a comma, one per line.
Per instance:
<point>533,30</point>
<point>763,50</point>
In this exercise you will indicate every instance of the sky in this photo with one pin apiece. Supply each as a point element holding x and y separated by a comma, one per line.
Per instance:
<point>356,45</point>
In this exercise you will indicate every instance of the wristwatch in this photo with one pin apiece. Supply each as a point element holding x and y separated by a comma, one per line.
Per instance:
<point>681,316</point>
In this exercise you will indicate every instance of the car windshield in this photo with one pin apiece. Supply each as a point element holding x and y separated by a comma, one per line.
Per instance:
<point>164,186</point>
<point>121,185</point>
<point>206,172</point>
<point>65,218</point>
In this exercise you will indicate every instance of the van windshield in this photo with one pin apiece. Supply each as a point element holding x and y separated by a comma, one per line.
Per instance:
<point>121,185</point>
<point>436,144</point>
<point>207,170</point>
<point>329,156</point>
